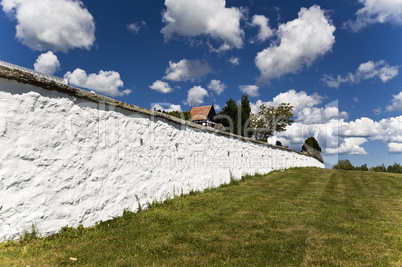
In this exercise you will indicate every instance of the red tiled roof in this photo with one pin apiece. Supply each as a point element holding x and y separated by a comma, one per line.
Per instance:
<point>200,113</point>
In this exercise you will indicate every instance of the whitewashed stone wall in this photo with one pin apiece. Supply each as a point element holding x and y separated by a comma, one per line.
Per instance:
<point>66,161</point>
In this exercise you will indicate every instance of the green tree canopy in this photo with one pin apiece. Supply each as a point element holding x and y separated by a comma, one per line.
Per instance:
<point>270,120</point>
<point>245,109</point>
<point>235,117</point>
<point>396,168</point>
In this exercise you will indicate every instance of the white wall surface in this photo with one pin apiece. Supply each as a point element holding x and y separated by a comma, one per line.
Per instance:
<point>67,161</point>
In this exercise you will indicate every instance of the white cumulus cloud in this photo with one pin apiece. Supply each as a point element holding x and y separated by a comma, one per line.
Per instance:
<point>265,31</point>
<point>368,70</point>
<point>106,82</point>
<point>313,115</point>
<point>160,86</point>
<point>170,107</point>
<point>204,17</point>
<point>251,90</point>
<point>396,103</point>
<point>217,86</point>
<point>363,127</point>
<point>386,130</point>
<point>47,63</point>
<point>186,70</point>
<point>376,11</point>
<point>395,147</point>
<point>300,43</point>
<point>196,96</point>
<point>328,125</point>
<point>56,25</point>
<point>351,146</point>
<point>299,100</point>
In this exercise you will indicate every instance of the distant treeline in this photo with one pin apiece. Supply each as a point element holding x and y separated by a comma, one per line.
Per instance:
<point>347,165</point>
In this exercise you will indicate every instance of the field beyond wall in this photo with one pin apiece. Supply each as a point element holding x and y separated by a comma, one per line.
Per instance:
<point>297,217</point>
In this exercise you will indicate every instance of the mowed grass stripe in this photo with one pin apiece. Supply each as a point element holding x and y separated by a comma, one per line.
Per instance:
<point>297,217</point>
<point>354,221</point>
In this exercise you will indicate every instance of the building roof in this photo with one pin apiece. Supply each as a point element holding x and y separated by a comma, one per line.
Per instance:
<point>200,113</point>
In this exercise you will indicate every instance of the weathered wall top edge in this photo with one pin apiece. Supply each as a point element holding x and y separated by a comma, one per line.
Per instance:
<point>29,78</point>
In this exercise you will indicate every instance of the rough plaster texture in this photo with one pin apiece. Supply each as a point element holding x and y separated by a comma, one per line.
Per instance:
<point>67,160</point>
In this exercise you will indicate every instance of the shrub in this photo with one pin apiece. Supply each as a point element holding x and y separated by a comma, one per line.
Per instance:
<point>312,147</point>
<point>278,143</point>
<point>344,165</point>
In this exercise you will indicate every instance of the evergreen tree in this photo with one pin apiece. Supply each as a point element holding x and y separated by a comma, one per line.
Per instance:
<point>228,116</point>
<point>245,109</point>
<point>236,117</point>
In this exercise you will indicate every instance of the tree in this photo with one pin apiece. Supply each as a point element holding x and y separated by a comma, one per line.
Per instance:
<point>245,109</point>
<point>362,168</point>
<point>343,165</point>
<point>236,117</point>
<point>379,168</point>
<point>396,168</point>
<point>270,120</point>
<point>228,116</point>
<point>312,147</point>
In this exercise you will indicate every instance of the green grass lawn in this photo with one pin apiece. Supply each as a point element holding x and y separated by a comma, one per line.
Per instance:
<point>296,217</point>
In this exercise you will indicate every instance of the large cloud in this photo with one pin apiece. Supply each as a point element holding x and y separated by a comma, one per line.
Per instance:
<point>350,146</point>
<point>186,70</point>
<point>47,63</point>
<point>376,11</point>
<point>328,134</point>
<point>320,115</point>
<point>328,125</point>
<point>301,42</point>
<point>195,96</point>
<point>299,100</point>
<point>106,82</point>
<point>368,70</point>
<point>204,17</point>
<point>363,127</point>
<point>56,25</point>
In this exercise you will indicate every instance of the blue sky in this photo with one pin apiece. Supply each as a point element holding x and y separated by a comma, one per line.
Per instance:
<point>337,62</point>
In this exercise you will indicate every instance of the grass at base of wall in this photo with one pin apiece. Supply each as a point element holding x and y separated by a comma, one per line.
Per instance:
<point>296,217</point>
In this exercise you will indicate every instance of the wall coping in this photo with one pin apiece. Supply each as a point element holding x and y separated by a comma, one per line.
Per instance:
<point>27,76</point>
